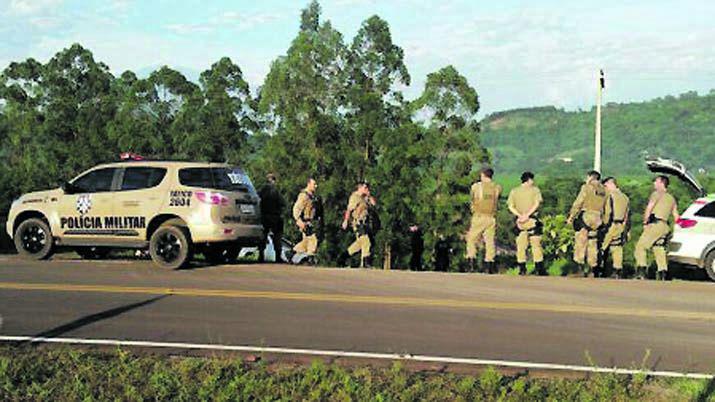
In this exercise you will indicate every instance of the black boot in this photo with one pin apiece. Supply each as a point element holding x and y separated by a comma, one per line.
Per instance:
<point>640,273</point>
<point>522,268</point>
<point>312,261</point>
<point>539,268</point>
<point>491,267</point>
<point>354,261</point>
<point>661,275</point>
<point>367,262</point>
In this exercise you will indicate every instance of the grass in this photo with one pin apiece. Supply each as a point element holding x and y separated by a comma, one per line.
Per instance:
<point>64,374</point>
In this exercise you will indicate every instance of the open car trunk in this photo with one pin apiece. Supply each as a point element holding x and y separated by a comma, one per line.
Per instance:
<point>677,169</point>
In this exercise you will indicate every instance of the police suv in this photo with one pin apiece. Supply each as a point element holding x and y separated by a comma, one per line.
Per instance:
<point>693,241</point>
<point>172,208</point>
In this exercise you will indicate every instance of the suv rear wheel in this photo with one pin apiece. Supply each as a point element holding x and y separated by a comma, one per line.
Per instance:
<point>710,265</point>
<point>170,247</point>
<point>33,239</point>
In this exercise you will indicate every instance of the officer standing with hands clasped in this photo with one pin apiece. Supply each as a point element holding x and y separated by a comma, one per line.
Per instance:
<point>586,215</point>
<point>616,223</point>
<point>356,214</point>
<point>656,229</point>
<point>272,205</point>
<point>484,196</point>
<point>524,202</point>
<point>304,211</point>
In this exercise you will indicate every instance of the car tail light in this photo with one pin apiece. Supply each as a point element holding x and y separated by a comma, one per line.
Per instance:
<point>209,197</point>
<point>686,223</point>
<point>700,201</point>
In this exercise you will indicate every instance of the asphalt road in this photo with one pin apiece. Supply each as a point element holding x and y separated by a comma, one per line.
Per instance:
<point>537,319</point>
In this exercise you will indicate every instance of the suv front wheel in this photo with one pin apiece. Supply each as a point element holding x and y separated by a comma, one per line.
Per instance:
<point>170,247</point>
<point>33,239</point>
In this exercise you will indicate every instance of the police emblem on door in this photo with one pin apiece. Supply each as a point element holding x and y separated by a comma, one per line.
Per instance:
<point>84,203</point>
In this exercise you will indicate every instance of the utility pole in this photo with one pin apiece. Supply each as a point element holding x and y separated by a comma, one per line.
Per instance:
<point>597,156</point>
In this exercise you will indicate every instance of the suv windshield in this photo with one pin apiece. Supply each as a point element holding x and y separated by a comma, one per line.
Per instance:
<point>218,178</point>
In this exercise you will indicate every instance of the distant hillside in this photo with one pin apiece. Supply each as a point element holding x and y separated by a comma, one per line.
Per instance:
<point>550,140</point>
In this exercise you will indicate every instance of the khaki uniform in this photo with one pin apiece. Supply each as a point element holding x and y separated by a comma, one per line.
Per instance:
<point>522,199</point>
<point>615,215</point>
<point>358,209</point>
<point>304,211</point>
<point>485,196</point>
<point>655,234</point>
<point>589,203</point>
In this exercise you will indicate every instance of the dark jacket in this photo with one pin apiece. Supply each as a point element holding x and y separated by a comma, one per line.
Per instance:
<point>272,204</point>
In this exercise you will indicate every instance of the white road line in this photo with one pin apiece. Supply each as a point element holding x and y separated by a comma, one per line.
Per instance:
<point>362,355</point>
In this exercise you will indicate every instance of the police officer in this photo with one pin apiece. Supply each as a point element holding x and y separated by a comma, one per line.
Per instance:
<point>357,214</point>
<point>304,212</point>
<point>272,205</point>
<point>587,216</point>
<point>484,198</point>
<point>656,228</point>
<point>615,223</point>
<point>524,202</point>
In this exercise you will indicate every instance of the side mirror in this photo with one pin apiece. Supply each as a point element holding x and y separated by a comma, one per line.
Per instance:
<point>67,187</point>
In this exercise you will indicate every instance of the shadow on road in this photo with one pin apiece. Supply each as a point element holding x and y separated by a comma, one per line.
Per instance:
<point>91,319</point>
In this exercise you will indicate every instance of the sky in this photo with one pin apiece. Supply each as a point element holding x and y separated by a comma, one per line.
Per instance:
<point>515,53</point>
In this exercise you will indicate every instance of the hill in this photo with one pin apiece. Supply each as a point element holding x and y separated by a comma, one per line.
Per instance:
<point>547,139</point>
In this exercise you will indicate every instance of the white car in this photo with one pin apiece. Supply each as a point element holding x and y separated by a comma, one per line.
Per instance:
<point>693,241</point>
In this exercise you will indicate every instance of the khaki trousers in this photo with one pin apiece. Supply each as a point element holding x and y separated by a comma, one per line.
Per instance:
<point>612,241</point>
<point>524,239</point>
<point>482,227</point>
<point>586,242</point>
<point>308,245</point>
<point>653,236</point>
<point>362,243</point>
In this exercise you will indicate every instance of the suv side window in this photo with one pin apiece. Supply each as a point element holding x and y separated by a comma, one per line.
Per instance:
<point>707,211</point>
<point>138,178</point>
<point>96,181</point>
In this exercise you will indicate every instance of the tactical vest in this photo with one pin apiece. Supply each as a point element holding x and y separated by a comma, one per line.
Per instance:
<point>595,197</point>
<point>484,198</point>
<point>359,214</point>
<point>308,212</point>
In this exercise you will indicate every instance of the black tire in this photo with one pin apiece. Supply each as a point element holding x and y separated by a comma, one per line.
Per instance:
<point>33,239</point>
<point>710,265</point>
<point>170,247</point>
<point>92,253</point>
<point>222,253</point>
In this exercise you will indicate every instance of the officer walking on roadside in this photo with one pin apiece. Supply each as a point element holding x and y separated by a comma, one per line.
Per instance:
<point>616,223</point>
<point>356,214</point>
<point>656,229</point>
<point>304,212</point>
<point>524,202</point>
<point>484,198</point>
<point>587,216</point>
<point>272,205</point>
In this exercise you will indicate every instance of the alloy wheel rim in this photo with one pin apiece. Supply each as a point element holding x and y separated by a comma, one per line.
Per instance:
<point>168,247</point>
<point>34,239</point>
